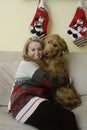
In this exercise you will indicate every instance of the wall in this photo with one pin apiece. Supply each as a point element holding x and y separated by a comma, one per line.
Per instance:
<point>16,15</point>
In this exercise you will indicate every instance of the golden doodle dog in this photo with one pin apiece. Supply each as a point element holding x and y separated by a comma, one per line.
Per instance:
<point>54,63</point>
<point>55,50</point>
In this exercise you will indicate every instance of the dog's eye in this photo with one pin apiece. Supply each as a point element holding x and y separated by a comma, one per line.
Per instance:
<point>55,45</point>
<point>49,41</point>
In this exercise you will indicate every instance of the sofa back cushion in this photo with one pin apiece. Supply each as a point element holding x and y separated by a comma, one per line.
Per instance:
<point>77,65</point>
<point>8,65</point>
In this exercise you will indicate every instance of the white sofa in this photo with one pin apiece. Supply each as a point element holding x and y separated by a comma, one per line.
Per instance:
<point>77,64</point>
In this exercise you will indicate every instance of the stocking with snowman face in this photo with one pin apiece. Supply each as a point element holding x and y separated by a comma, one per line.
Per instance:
<point>78,26</point>
<point>38,26</point>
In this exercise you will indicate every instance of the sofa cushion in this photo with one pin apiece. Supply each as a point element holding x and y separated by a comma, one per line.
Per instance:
<point>7,74</point>
<point>81,114</point>
<point>77,65</point>
<point>8,123</point>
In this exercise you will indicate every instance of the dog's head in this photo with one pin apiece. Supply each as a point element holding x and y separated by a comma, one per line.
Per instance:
<point>54,45</point>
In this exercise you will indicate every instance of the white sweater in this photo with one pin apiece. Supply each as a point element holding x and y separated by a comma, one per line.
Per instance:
<point>26,69</point>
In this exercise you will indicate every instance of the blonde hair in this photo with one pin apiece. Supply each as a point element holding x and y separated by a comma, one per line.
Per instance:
<point>29,40</point>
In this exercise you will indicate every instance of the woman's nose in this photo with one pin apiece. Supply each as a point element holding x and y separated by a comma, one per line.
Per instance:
<point>37,52</point>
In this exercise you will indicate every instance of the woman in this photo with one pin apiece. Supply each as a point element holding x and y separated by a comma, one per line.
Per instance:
<point>31,97</point>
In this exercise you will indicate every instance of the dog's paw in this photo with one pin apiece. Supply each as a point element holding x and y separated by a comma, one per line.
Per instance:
<point>67,98</point>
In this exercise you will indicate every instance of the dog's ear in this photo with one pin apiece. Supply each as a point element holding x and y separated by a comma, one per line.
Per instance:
<point>64,47</point>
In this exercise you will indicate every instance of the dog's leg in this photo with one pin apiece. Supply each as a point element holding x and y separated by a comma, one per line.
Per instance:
<point>67,97</point>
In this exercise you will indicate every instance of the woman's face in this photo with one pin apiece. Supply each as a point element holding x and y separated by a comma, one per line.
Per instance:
<point>35,50</point>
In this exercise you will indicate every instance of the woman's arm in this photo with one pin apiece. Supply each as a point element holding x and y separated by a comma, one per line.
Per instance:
<point>46,80</point>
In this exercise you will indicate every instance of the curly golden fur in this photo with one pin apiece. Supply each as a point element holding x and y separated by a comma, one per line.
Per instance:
<point>55,50</point>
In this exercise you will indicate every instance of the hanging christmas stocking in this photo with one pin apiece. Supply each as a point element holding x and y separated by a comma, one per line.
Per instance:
<point>38,26</point>
<point>78,26</point>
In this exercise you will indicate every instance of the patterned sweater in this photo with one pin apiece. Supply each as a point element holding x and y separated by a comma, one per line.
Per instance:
<point>32,86</point>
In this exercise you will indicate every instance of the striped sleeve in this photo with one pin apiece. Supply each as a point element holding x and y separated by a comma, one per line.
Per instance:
<point>46,80</point>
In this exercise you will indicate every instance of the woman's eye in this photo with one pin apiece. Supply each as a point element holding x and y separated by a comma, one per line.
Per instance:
<point>40,49</point>
<point>33,49</point>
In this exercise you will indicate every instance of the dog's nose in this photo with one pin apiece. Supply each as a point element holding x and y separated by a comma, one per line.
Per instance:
<point>45,54</point>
